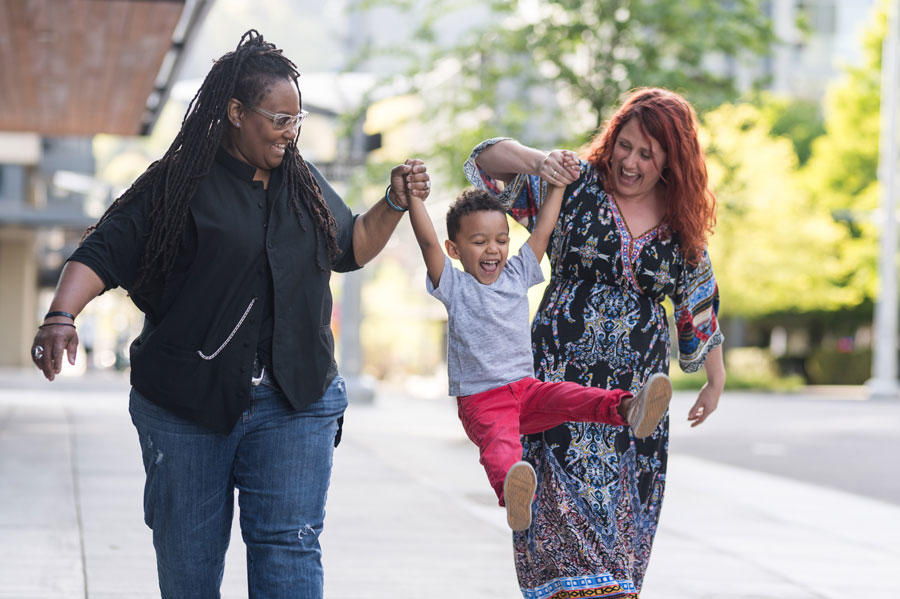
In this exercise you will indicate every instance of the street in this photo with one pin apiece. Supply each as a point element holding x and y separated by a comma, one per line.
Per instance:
<point>763,501</point>
<point>845,444</point>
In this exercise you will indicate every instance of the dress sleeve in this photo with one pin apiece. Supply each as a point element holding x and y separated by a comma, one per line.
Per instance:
<point>696,301</point>
<point>522,197</point>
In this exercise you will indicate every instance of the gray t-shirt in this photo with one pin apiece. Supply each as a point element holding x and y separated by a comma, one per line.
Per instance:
<point>489,341</point>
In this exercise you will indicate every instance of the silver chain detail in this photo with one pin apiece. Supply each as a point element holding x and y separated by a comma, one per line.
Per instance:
<point>233,332</point>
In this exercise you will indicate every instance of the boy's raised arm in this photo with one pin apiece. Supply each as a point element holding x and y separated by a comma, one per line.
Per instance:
<point>427,238</point>
<point>546,220</point>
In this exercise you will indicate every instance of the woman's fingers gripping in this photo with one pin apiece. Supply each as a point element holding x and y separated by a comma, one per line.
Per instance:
<point>560,167</point>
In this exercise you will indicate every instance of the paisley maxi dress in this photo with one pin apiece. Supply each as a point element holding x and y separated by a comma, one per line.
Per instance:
<point>602,323</point>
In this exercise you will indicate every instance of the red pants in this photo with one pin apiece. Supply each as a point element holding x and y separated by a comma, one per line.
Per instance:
<point>495,418</point>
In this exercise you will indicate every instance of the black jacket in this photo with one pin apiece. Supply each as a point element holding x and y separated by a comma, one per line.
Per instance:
<point>201,330</point>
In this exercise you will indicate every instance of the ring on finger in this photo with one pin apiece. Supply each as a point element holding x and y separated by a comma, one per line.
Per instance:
<point>38,352</point>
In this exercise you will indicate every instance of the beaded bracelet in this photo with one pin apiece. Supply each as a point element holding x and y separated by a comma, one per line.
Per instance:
<point>387,198</point>
<point>59,313</point>
<point>54,324</point>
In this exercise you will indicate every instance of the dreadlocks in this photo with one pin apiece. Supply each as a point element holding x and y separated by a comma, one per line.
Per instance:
<point>244,74</point>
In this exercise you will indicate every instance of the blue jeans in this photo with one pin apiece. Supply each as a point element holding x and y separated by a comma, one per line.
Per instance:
<point>278,458</point>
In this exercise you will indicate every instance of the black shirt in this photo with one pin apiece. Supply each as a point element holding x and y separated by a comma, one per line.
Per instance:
<point>245,280</point>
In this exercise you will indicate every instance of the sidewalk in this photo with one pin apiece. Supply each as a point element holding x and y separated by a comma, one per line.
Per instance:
<point>409,513</point>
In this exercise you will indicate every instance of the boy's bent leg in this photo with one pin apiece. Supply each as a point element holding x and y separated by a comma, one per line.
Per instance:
<point>491,420</point>
<point>545,405</point>
<point>188,499</point>
<point>282,471</point>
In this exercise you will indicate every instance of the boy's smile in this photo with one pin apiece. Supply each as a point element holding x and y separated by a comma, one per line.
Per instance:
<point>482,244</point>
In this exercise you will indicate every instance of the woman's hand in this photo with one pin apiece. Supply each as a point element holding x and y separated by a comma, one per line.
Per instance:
<point>706,403</point>
<point>78,285</point>
<point>708,399</point>
<point>50,342</point>
<point>559,167</point>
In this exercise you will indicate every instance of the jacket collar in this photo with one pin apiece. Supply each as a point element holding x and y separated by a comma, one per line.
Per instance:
<point>238,167</point>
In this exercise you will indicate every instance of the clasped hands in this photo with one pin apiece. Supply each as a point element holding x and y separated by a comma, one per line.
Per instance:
<point>559,167</point>
<point>409,179</point>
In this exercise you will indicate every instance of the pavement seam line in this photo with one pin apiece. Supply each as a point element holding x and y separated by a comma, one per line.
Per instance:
<point>76,495</point>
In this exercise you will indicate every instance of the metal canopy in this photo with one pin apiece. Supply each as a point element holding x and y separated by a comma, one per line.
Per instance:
<point>81,67</point>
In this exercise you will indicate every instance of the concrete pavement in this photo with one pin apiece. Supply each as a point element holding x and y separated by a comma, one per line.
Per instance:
<point>410,512</point>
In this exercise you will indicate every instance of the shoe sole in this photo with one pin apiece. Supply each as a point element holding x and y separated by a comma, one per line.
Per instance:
<point>518,494</point>
<point>659,394</point>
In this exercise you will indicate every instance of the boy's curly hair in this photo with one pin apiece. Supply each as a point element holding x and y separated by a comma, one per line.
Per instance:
<point>469,201</point>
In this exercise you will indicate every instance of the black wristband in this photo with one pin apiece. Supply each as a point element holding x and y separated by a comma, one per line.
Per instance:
<point>57,324</point>
<point>59,313</point>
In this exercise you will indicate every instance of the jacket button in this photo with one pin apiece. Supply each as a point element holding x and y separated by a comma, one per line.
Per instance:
<point>243,369</point>
<point>259,204</point>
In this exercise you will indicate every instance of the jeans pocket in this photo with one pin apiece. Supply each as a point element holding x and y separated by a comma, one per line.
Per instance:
<point>334,403</point>
<point>334,400</point>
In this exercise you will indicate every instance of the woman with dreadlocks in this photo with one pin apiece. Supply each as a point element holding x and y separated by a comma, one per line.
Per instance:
<point>227,244</point>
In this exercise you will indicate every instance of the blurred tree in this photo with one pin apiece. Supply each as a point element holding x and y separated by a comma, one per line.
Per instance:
<point>775,249</point>
<point>797,119</point>
<point>805,237</point>
<point>550,72</point>
<point>842,172</point>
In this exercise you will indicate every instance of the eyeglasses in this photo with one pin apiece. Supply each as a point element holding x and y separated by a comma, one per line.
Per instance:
<point>283,121</point>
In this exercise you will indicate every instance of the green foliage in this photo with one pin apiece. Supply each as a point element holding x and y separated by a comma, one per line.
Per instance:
<point>550,72</point>
<point>775,248</point>
<point>801,240</point>
<point>842,172</point>
<point>748,368</point>
<point>797,119</point>
<point>828,366</point>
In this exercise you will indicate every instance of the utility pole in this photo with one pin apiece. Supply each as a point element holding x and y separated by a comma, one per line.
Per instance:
<point>359,388</point>
<point>883,384</point>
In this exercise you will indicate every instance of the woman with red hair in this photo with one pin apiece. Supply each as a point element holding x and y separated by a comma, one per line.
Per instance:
<point>632,231</point>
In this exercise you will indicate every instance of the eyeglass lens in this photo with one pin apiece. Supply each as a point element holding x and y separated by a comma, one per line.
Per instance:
<point>283,121</point>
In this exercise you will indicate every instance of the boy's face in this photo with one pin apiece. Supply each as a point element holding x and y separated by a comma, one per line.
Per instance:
<point>482,244</point>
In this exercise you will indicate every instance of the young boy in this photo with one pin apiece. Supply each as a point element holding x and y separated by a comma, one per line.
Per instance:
<point>489,355</point>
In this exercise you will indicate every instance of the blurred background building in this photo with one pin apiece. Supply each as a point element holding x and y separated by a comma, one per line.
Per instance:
<point>816,38</point>
<point>70,70</point>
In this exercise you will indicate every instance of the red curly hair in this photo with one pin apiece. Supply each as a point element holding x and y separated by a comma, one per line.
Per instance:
<point>671,121</point>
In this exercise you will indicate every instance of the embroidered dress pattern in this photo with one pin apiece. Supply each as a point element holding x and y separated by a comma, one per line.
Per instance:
<point>602,323</point>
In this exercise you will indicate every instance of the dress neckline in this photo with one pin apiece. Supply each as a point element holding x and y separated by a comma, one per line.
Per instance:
<point>621,219</point>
